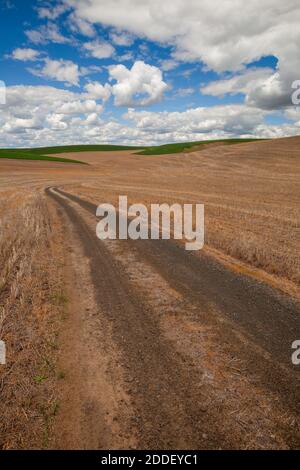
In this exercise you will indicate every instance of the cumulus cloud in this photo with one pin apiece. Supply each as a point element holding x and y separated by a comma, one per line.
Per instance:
<point>45,34</point>
<point>51,12</point>
<point>91,69</point>
<point>169,64</point>
<point>244,82</point>
<point>23,97</point>
<point>182,92</point>
<point>197,28</point>
<point>34,114</point>
<point>60,70</point>
<point>121,38</point>
<point>141,85</point>
<point>79,25</point>
<point>56,122</point>
<point>17,125</point>
<point>43,115</point>
<point>263,88</point>
<point>228,120</point>
<point>273,93</point>
<point>79,107</point>
<point>98,91</point>
<point>99,49</point>
<point>222,35</point>
<point>24,54</point>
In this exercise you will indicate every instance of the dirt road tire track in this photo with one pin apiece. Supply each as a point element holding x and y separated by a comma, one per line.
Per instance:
<point>272,319</point>
<point>167,399</point>
<point>167,414</point>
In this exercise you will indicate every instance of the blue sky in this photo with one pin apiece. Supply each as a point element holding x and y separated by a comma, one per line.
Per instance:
<point>143,72</point>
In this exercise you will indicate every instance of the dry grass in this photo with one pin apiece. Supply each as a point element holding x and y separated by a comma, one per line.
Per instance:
<point>251,194</point>
<point>28,322</point>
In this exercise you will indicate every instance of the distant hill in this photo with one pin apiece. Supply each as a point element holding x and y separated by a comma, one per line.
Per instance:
<point>43,153</point>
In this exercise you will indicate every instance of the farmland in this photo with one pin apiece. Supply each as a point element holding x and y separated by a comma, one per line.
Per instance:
<point>206,335</point>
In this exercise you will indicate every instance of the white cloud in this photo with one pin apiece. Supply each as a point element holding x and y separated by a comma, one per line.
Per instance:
<point>230,120</point>
<point>97,91</point>
<point>91,69</point>
<point>169,64</point>
<point>46,33</point>
<point>25,54</point>
<point>34,114</point>
<point>51,12</point>
<point>55,122</point>
<point>79,107</point>
<point>182,92</point>
<point>262,86</point>
<point>274,93</point>
<point>141,85</point>
<point>198,28</point>
<point>223,35</point>
<point>60,70</point>
<point>92,120</point>
<point>277,131</point>
<point>99,49</point>
<point>16,125</point>
<point>43,115</point>
<point>79,25</point>
<point>121,38</point>
<point>126,57</point>
<point>23,97</point>
<point>244,82</point>
<point>293,113</point>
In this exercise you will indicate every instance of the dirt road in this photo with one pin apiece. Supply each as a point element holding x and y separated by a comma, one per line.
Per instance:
<point>196,356</point>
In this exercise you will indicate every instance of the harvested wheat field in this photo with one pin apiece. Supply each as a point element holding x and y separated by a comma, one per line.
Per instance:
<point>125,344</point>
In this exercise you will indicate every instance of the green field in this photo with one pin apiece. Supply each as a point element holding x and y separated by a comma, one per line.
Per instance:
<point>81,148</point>
<point>44,152</point>
<point>182,146</point>
<point>17,155</point>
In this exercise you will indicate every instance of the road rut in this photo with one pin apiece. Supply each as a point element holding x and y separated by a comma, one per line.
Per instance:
<point>168,398</point>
